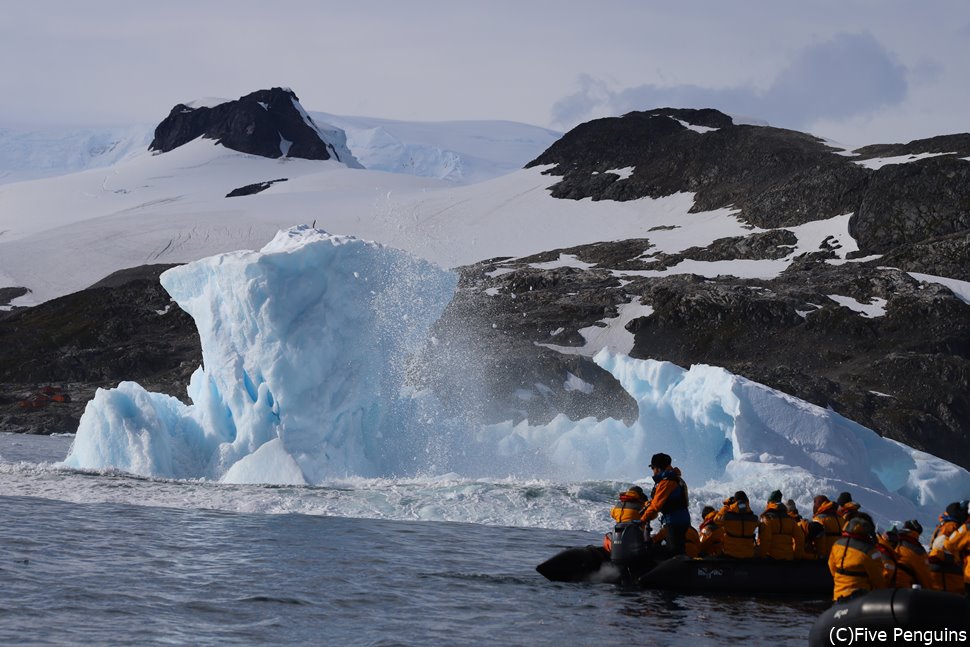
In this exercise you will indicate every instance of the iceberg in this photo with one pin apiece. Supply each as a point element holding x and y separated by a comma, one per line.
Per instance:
<point>306,346</point>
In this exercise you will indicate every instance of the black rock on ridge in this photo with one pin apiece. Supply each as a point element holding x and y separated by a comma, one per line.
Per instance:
<point>269,123</point>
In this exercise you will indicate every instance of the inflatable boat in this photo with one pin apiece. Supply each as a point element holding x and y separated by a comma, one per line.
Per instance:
<point>895,617</point>
<point>741,576</point>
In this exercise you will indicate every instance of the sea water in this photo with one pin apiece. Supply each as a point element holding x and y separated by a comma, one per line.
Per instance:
<point>104,558</point>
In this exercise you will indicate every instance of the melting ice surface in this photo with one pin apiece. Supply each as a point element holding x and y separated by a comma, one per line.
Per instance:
<point>304,349</point>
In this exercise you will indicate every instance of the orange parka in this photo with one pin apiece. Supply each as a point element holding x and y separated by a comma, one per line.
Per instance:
<point>739,525</point>
<point>958,545</point>
<point>779,534</point>
<point>825,515</point>
<point>855,566</point>
<point>628,508</point>
<point>711,537</point>
<point>912,565</point>
<point>945,572</point>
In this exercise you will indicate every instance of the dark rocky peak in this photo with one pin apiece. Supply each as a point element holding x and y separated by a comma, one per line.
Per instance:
<point>957,144</point>
<point>269,123</point>
<point>773,176</point>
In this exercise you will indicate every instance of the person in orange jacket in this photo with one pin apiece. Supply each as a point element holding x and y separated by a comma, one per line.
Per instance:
<point>691,540</point>
<point>779,535</point>
<point>946,574</point>
<point>669,501</point>
<point>846,508</point>
<point>886,552</point>
<point>739,525</point>
<point>814,538</point>
<point>913,566</point>
<point>952,518</point>
<point>629,507</point>
<point>958,545</point>
<point>711,534</point>
<point>853,562</point>
<point>824,513</point>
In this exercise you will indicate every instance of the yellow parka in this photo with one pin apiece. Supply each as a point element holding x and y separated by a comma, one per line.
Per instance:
<point>825,515</point>
<point>739,525</point>
<point>912,564</point>
<point>779,533</point>
<point>628,508</point>
<point>711,537</point>
<point>958,545</point>
<point>854,567</point>
<point>945,572</point>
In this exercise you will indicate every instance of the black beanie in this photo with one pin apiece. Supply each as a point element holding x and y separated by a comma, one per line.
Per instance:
<point>660,460</point>
<point>844,498</point>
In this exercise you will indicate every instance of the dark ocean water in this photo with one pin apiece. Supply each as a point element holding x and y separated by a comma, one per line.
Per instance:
<point>124,574</point>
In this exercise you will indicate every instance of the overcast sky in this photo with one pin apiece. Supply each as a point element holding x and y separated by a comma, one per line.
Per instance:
<point>854,71</point>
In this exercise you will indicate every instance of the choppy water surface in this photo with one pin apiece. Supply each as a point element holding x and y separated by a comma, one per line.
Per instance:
<point>108,559</point>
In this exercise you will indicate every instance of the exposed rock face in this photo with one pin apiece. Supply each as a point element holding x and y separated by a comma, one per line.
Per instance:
<point>124,328</point>
<point>252,189</point>
<point>270,123</point>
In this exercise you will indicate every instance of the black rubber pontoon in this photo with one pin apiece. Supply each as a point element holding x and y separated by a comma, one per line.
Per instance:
<point>744,576</point>
<point>896,611</point>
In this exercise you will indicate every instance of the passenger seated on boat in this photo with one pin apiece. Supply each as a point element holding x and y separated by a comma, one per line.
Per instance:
<point>814,538</point>
<point>913,563</point>
<point>959,546</point>
<point>793,511</point>
<point>846,508</point>
<point>739,525</point>
<point>952,518</point>
<point>945,571</point>
<point>824,512</point>
<point>779,536</point>
<point>886,553</point>
<point>853,562</point>
<point>711,534</point>
<point>630,505</point>
<point>691,541</point>
<point>669,501</point>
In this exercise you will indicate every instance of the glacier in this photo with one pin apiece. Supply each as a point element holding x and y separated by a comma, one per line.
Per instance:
<point>306,347</point>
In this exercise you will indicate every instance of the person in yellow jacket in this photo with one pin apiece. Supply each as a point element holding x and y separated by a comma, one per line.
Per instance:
<point>824,513</point>
<point>739,525</point>
<point>854,567</point>
<point>952,518</point>
<point>945,571</point>
<point>691,540</point>
<point>958,545</point>
<point>846,508</point>
<point>711,534</point>
<point>779,535</point>
<point>912,566</point>
<point>814,536</point>
<point>886,552</point>
<point>630,505</point>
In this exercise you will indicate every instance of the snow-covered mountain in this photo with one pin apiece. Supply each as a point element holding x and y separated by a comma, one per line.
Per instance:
<point>676,235</point>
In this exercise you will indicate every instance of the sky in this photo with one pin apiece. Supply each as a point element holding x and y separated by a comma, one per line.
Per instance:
<point>854,71</point>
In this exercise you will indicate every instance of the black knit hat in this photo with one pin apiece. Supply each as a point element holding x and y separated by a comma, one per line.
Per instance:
<point>844,498</point>
<point>775,497</point>
<point>913,525</point>
<point>660,461</point>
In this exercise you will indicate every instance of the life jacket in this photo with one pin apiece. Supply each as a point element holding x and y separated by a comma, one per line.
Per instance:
<point>628,508</point>
<point>691,540</point>
<point>946,527</point>
<point>776,533</point>
<point>846,509</point>
<point>669,499</point>
<point>853,566</point>
<point>958,545</point>
<point>945,572</point>
<point>739,525</point>
<point>886,553</point>
<point>711,537</point>
<point>912,565</point>
<point>826,516</point>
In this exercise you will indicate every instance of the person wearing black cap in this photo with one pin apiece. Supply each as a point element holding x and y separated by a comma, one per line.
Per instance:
<point>668,500</point>
<point>847,508</point>
<point>739,524</point>
<point>854,563</point>
<point>630,505</point>
<point>779,535</point>
<point>952,518</point>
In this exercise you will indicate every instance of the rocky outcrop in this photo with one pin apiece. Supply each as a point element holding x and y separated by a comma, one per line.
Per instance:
<point>269,123</point>
<point>253,189</point>
<point>124,328</point>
